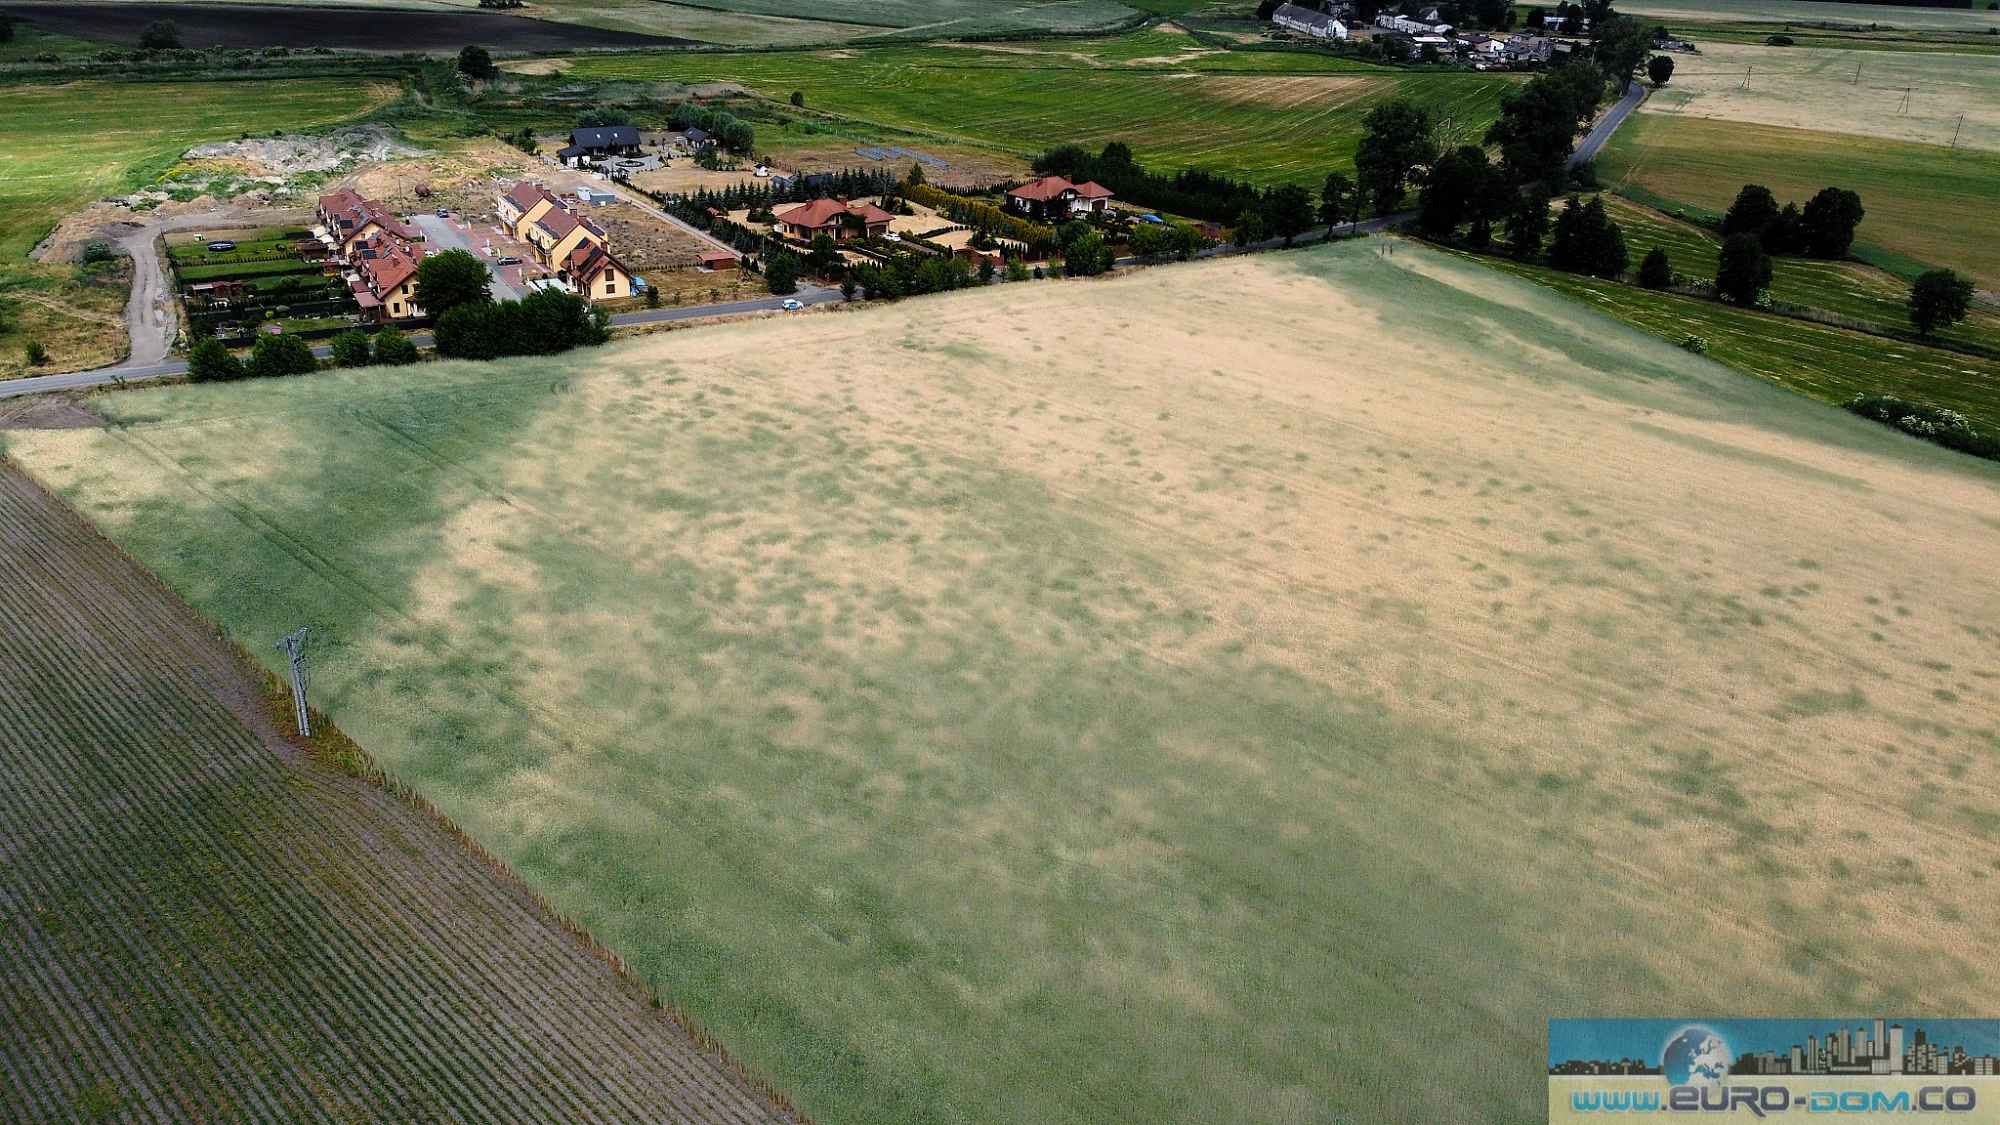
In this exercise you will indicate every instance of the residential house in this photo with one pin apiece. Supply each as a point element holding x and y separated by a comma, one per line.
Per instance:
<point>1390,21</point>
<point>346,220</point>
<point>1053,197</point>
<point>587,146</point>
<point>1527,50</point>
<point>557,233</point>
<point>1306,21</point>
<point>522,205</point>
<point>384,279</point>
<point>836,218</point>
<point>696,138</point>
<point>593,273</point>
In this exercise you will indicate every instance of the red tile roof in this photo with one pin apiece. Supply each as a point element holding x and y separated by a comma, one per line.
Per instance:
<point>391,264</point>
<point>525,195</point>
<point>348,212</point>
<point>588,260</point>
<point>557,222</point>
<point>1043,190</point>
<point>823,213</point>
<point>1091,189</point>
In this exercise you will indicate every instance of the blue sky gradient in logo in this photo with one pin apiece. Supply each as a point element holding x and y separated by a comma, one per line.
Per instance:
<point>1574,1039</point>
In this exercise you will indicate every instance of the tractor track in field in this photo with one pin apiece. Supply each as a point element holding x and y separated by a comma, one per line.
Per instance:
<point>201,919</point>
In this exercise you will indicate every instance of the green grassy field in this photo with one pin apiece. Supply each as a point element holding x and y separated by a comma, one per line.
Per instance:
<point>1919,198</point>
<point>1016,706</point>
<point>117,137</point>
<point>1824,362</point>
<point>1912,17</point>
<point>1850,290</point>
<point>1267,116</point>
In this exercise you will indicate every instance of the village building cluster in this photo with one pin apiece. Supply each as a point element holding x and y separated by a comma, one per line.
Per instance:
<point>378,250</point>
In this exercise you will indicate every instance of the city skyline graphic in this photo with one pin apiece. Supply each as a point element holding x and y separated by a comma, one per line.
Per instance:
<point>1868,1046</point>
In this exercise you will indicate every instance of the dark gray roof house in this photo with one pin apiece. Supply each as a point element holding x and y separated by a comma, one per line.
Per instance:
<point>1307,21</point>
<point>696,136</point>
<point>605,138</point>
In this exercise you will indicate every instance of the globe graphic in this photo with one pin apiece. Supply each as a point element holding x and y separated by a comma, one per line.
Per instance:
<point>1697,1056</point>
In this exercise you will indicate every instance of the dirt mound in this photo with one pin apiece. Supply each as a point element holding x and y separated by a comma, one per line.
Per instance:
<point>293,153</point>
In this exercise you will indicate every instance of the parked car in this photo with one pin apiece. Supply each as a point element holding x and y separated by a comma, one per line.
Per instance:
<point>892,236</point>
<point>444,212</point>
<point>509,260</point>
<point>792,304</point>
<point>221,246</point>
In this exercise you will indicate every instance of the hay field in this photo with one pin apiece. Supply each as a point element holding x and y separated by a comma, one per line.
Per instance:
<point>1974,18</point>
<point>1924,202</point>
<point>1855,92</point>
<point>1260,690</point>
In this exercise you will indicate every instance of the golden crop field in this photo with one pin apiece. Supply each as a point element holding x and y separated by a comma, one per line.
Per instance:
<point>1266,689</point>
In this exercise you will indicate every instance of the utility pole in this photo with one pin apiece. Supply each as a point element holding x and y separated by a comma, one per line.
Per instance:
<point>294,645</point>
<point>1955,129</point>
<point>1746,76</point>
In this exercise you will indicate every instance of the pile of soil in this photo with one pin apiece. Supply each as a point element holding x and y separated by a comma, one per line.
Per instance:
<point>293,153</point>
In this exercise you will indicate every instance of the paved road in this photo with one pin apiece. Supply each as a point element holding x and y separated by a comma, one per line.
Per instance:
<point>139,373</point>
<point>1607,125</point>
<point>450,235</point>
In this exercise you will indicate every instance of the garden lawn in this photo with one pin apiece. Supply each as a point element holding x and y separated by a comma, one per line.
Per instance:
<point>1259,690</point>
<point>1269,117</point>
<point>1925,204</point>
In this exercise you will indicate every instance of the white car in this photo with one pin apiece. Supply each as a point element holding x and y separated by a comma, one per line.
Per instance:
<point>792,304</point>
<point>892,236</point>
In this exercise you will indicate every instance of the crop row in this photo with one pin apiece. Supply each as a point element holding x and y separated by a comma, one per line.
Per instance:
<point>196,929</point>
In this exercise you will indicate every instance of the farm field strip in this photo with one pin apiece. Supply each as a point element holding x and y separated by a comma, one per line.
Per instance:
<point>197,926</point>
<point>1919,198</point>
<point>1004,688</point>
<point>1807,11</point>
<point>1851,290</point>
<point>1933,98</point>
<point>1170,118</point>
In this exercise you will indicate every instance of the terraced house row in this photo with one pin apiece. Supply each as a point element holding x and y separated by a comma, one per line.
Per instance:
<point>565,242</point>
<point>379,251</point>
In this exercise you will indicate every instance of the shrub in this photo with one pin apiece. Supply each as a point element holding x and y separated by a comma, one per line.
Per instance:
<point>394,349</point>
<point>211,362</point>
<point>1695,344</point>
<point>1939,299</point>
<point>1948,428</point>
<point>37,355</point>
<point>350,349</point>
<point>272,356</point>
<point>97,250</point>
<point>781,273</point>
<point>542,323</point>
<point>1744,269</point>
<point>160,35</point>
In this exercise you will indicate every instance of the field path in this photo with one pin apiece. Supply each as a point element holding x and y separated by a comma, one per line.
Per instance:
<point>201,923</point>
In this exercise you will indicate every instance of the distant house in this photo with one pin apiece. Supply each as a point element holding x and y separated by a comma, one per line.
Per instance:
<point>1053,197</point>
<point>1390,21</point>
<point>696,137</point>
<point>598,143</point>
<point>836,218</point>
<point>1527,50</point>
<point>557,235</point>
<point>718,260</point>
<point>1306,21</point>
<point>346,220</point>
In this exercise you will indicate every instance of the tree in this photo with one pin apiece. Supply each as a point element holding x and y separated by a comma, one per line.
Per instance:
<point>799,99</point>
<point>160,35</point>
<point>847,287</point>
<point>6,30</point>
<point>210,362</point>
<point>35,352</point>
<point>1336,200</point>
<point>1656,272</point>
<point>1620,43</point>
<point>350,349</point>
<point>394,349</point>
<point>272,356</point>
<point>1745,269</point>
<point>1939,299</point>
<point>1265,8</point>
<point>916,175</point>
<point>823,256</point>
<point>1784,234</point>
<point>1396,138</point>
<point>474,62</point>
<point>652,296</point>
<point>781,273</point>
<point>1288,211</point>
<point>1086,255</point>
<point>1528,223</point>
<point>446,281</point>
<point>1754,209</point>
<point>1660,68</point>
<point>1607,257</point>
<point>1454,191</point>
<point>1491,14</point>
<point>1537,127</point>
<point>1250,229</point>
<point>1826,229</point>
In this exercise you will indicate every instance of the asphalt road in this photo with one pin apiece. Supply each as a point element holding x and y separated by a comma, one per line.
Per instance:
<point>448,234</point>
<point>1601,132</point>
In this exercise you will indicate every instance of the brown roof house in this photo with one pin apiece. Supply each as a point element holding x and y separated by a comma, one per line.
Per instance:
<point>346,220</point>
<point>836,218</point>
<point>1053,197</point>
<point>384,279</point>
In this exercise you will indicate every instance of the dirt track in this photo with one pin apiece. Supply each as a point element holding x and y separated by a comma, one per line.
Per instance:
<point>200,922</point>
